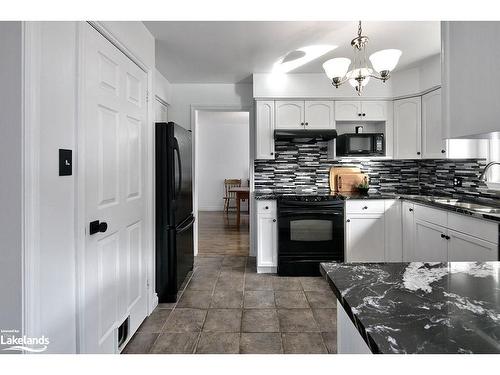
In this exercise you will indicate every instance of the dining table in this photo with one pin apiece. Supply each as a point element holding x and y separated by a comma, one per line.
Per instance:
<point>241,193</point>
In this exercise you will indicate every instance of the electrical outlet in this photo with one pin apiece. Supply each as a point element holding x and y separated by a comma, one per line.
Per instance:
<point>457,181</point>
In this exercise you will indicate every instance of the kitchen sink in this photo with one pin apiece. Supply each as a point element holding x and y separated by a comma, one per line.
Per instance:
<point>467,205</point>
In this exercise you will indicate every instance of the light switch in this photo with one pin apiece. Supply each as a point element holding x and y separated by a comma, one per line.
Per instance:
<point>65,162</point>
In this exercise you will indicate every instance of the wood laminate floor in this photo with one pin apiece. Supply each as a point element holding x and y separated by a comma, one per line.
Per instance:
<point>219,235</point>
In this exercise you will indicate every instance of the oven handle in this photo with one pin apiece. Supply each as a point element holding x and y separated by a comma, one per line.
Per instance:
<point>297,212</point>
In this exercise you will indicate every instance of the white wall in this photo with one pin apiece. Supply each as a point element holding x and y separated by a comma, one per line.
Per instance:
<point>186,95</point>
<point>162,87</point>
<point>223,141</point>
<point>425,75</point>
<point>11,172</point>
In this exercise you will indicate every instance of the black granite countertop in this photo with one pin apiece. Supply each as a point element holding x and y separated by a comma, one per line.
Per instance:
<point>424,199</point>
<point>421,307</point>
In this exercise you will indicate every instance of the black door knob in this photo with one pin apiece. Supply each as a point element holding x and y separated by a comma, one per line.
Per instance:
<point>307,123</point>
<point>348,220</point>
<point>418,153</point>
<point>442,235</point>
<point>364,114</point>
<point>274,220</point>
<point>410,209</point>
<point>359,114</point>
<point>443,151</point>
<point>365,207</point>
<point>272,153</point>
<point>96,227</point>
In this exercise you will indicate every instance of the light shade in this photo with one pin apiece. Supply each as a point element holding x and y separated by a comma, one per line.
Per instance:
<point>354,73</point>
<point>336,68</point>
<point>385,59</point>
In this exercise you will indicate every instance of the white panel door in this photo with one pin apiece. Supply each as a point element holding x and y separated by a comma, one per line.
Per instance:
<point>348,111</point>
<point>407,128</point>
<point>289,114</point>
<point>465,248</point>
<point>115,120</point>
<point>319,114</point>
<point>433,145</point>
<point>430,244</point>
<point>365,238</point>
<point>264,140</point>
<point>267,244</point>
<point>374,110</point>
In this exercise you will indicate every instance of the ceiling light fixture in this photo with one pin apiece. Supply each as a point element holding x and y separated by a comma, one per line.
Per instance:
<point>383,62</point>
<point>301,56</point>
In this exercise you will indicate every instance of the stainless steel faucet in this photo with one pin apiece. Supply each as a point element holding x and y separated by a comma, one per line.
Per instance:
<point>482,176</point>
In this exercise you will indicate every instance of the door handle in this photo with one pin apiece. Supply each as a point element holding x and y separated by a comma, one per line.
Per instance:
<point>97,226</point>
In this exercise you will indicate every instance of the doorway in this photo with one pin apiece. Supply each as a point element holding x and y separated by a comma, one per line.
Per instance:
<point>222,166</point>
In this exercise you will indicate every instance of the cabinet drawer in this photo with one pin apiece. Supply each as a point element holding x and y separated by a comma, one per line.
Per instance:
<point>482,229</point>
<point>266,207</point>
<point>431,215</point>
<point>365,206</point>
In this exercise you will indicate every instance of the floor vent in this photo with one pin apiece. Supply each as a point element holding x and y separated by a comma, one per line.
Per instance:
<point>123,332</point>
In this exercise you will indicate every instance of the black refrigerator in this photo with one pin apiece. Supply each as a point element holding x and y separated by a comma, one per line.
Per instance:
<point>174,209</point>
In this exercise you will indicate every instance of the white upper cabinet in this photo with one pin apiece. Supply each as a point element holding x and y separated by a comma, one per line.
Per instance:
<point>347,110</point>
<point>319,114</point>
<point>407,128</point>
<point>360,110</point>
<point>290,114</point>
<point>470,78</point>
<point>264,140</point>
<point>374,110</point>
<point>433,145</point>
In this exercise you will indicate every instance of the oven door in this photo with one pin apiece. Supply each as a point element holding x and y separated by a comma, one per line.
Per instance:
<point>308,232</point>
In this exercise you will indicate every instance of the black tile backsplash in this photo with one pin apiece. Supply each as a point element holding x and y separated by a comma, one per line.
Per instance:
<point>304,168</point>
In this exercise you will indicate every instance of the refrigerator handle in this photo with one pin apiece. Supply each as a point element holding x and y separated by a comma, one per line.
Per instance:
<point>179,185</point>
<point>187,226</point>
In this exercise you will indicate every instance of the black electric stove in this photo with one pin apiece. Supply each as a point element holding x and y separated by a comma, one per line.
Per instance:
<point>310,231</point>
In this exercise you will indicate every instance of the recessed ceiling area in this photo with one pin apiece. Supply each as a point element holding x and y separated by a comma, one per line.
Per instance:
<point>231,51</point>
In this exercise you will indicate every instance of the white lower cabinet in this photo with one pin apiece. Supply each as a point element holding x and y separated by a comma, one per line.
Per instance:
<point>365,239</point>
<point>373,231</point>
<point>465,248</point>
<point>429,237</point>
<point>267,237</point>
<point>430,243</point>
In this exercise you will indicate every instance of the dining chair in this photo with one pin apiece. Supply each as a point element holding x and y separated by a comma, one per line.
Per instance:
<point>230,196</point>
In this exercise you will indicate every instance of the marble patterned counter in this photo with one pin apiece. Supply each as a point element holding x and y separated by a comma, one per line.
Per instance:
<point>421,307</point>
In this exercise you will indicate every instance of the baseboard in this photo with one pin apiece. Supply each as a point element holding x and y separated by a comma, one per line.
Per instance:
<point>267,269</point>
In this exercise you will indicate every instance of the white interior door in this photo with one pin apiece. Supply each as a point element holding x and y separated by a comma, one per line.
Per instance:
<point>115,117</point>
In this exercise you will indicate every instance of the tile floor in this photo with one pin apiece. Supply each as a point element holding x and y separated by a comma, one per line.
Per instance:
<point>226,307</point>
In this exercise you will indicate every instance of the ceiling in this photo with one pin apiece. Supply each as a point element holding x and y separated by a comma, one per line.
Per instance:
<point>231,51</point>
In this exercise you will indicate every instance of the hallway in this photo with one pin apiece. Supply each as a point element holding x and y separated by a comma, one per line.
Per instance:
<point>219,235</point>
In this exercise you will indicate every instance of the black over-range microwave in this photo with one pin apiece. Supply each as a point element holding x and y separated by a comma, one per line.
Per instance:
<point>361,144</point>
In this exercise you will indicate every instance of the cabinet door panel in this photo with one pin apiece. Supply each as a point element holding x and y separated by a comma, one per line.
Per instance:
<point>289,114</point>
<point>429,245</point>
<point>319,115</point>
<point>267,241</point>
<point>347,110</point>
<point>393,231</point>
<point>374,110</point>
<point>464,248</point>
<point>408,231</point>
<point>264,140</point>
<point>433,145</point>
<point>365,240</point>
<point>407,128</point>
